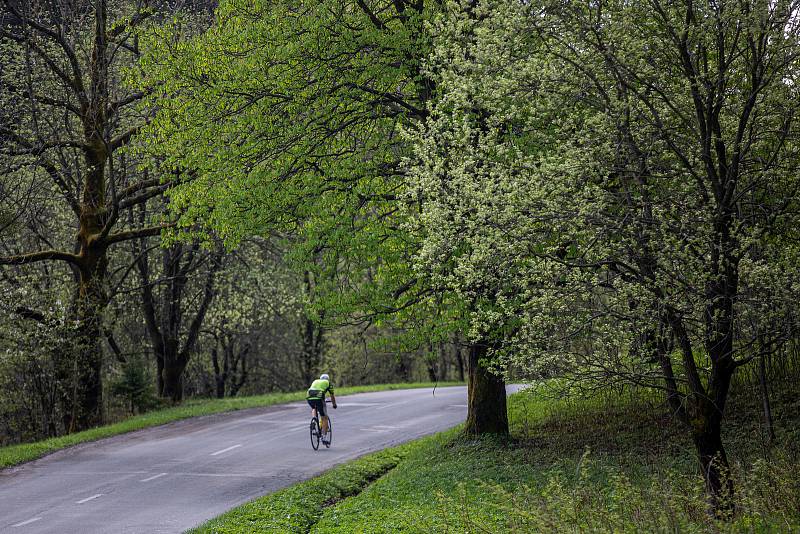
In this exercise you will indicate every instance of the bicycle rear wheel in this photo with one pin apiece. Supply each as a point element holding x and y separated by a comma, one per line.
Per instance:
<point>329,436</point>
<point>314,428</point>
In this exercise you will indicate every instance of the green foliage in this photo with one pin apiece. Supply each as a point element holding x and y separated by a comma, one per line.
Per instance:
<point>286,118</point>
<point>568,188</point>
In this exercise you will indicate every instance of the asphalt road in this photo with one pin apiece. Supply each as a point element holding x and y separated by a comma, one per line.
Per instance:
<point>174,477</point>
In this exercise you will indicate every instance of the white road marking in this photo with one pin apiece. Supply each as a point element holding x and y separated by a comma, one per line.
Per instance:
<point>276,421</point>
<point>87,499</point>
<point>387,427</point>
<point>148,479</point>
<point>391,405</point>
<point>103,473</point>
<point>28,522</point>
<point>225,475</point>
<point>226,450</point>
<point>458,405</point>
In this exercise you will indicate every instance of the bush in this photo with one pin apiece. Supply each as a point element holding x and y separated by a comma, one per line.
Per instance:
<point>135,387</point>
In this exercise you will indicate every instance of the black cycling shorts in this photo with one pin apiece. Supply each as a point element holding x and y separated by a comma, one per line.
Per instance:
<point>319,405</point>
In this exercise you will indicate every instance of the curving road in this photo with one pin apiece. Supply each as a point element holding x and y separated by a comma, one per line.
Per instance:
<point>173,477</point>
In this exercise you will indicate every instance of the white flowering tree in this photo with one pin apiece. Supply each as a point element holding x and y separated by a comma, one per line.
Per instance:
<point>465,179</point>
<point>609,186</point>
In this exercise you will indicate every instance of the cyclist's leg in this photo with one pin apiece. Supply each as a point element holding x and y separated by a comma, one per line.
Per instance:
<point>323,416</point>
<point>313,404</point>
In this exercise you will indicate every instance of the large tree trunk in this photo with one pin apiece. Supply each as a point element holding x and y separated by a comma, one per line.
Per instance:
<point>79,371</point>
<point>85,388</point>
<point>173,378</point>
<point>706,434</point>
<point>83,381</point>
<point>86,395</point>
<point>486,403</point>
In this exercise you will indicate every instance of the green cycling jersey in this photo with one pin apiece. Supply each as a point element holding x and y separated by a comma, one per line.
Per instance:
<point>318,389</point>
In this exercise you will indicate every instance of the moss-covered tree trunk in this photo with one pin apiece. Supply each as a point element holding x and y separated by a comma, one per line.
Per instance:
<point>80,367</point>
<point>486,392</point>
<point>81,372</point>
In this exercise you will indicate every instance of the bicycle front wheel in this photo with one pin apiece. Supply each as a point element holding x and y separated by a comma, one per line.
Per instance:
<point>329,436</point>
<point>314,428</point>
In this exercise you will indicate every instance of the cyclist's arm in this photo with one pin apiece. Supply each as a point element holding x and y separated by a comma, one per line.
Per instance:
<point>333,399</point>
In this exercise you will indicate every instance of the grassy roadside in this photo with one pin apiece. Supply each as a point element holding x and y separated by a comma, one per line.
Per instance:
<point>25,452</point>
<point>298,508</point>
<point>594,465</point>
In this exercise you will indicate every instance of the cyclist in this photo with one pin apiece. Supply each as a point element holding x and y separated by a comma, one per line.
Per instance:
<point>316,399</point>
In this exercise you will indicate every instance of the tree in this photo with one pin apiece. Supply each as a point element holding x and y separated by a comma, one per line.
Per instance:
<point>712,88</point>
<point>470,227</point>
<point>310,146</point>
<point>61,76</point>
<point>255,323</point>
<point>615,183</point>
<point>165,303</point>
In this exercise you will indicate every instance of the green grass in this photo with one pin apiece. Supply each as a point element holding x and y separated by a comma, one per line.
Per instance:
<point>298,508</point>
<point>603,464</point>
<point>18,454</point>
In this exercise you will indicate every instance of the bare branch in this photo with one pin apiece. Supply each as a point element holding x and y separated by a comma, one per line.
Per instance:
<point>44,255</point>
<point>123,139</point>
<point>141,232</point>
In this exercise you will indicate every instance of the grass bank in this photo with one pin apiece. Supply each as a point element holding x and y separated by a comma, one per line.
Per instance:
<point>18,454</point>
<point>595,465</point>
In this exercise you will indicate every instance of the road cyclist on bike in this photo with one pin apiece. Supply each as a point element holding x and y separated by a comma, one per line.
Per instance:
<point>316,399</point>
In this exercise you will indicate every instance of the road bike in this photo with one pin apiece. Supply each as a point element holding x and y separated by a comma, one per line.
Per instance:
<point>316,431</point>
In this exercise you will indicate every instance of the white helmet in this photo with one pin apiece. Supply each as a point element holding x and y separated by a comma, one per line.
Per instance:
<point>324,376</point>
